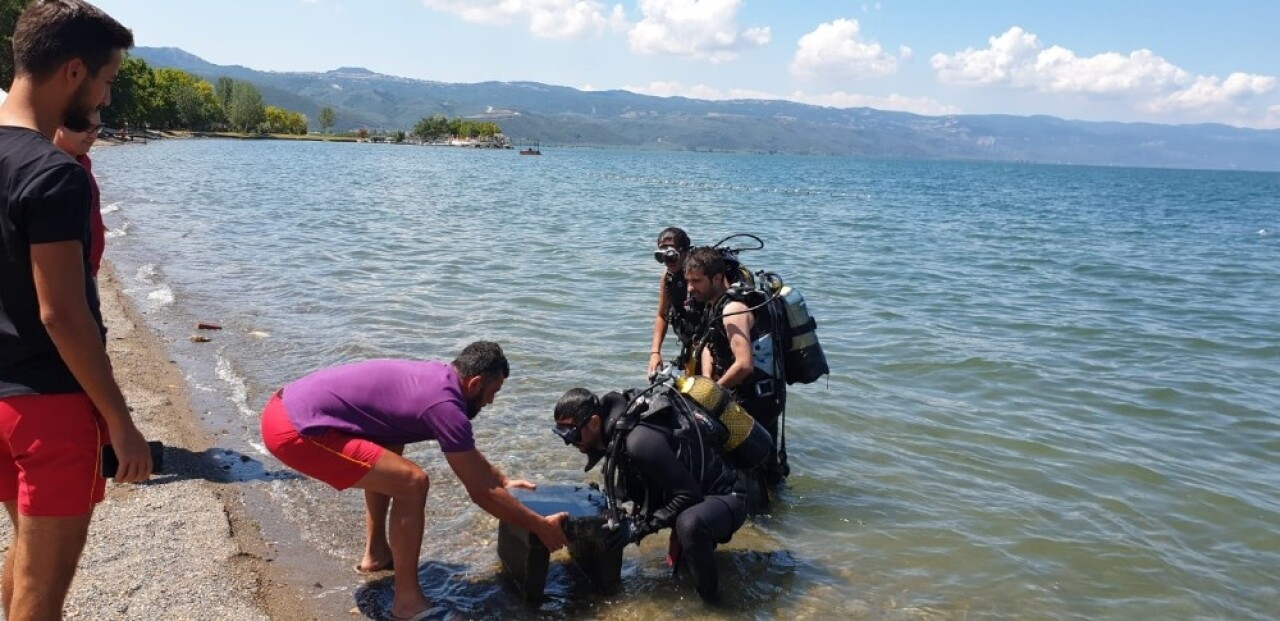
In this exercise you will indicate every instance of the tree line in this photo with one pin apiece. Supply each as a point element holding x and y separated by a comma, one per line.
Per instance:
<point>437,126</point>
<point>174,99</point>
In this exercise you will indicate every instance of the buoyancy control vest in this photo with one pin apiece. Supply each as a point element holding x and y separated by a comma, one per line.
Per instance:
<point>695,438</point>
<point>683,314</point>
<point>763,393</point>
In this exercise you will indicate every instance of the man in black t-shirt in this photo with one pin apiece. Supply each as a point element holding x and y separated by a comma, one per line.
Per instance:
<point>59,402</point>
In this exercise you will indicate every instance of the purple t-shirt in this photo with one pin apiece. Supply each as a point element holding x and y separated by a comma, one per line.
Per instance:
<point>385,401</point>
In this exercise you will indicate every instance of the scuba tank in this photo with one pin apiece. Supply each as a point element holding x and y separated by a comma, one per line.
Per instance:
<point>804,361</point>
<point>748,444</point>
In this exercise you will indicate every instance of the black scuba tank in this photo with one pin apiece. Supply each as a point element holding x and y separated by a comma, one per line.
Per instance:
<point>804,361</point>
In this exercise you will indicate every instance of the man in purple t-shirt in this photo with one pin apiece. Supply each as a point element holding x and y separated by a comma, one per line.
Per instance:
<point>347,426</point>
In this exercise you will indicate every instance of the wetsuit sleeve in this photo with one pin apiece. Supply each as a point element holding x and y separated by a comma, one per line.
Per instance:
<point>652,455</point>
<point>55,205</point>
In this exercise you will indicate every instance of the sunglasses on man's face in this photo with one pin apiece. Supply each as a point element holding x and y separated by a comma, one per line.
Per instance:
<point>666,254</point>
<point>571,435</point>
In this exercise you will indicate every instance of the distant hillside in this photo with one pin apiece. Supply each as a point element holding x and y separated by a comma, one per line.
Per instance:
<point>562,115</point>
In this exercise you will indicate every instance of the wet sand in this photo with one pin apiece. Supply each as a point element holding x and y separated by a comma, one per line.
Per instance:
<point>180,546</point>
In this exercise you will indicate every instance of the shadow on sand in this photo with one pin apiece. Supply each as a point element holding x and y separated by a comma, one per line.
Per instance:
<point>216,464</point>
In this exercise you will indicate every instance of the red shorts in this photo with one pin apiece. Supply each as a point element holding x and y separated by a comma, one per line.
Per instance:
<point>336,458</point>
<point>51,454</point>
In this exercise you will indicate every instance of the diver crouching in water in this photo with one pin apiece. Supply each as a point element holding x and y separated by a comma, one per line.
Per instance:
<point>664,456</point>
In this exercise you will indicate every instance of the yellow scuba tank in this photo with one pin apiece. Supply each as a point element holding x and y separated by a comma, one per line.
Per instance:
<point>748,444</point>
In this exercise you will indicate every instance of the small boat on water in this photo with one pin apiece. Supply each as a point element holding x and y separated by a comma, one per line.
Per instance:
<point>531,150</point>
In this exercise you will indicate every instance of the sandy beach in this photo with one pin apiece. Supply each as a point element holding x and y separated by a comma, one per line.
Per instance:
<point>180,545</point>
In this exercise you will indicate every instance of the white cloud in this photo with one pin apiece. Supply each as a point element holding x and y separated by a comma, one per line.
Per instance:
<point>1017,58</point>
<point>1272,120</point>
<point>548,19</point>
<point>904,52</point>
<point>703,29</point>
<point>835,49</point>
<point>1209,93</point>
<point>838,99</point>
<point>1150,83</point>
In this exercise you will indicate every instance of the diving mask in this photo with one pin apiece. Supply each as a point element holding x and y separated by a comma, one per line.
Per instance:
<point>666,254</point>
<point>571,435</point>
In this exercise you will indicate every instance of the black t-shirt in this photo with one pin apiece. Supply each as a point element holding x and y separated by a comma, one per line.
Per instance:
<point>44,198</point>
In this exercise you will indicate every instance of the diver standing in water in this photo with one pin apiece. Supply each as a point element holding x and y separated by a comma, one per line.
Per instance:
<point>651,460</point>
<point>738,346</point>
<point>674,310</point>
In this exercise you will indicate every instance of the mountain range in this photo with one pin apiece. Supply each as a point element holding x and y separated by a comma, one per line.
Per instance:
<point>559,115</point>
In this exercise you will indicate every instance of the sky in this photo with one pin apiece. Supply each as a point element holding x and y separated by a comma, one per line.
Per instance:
<point>1170,61</point>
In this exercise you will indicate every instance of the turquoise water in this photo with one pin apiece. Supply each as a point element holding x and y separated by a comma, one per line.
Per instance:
<point>1054,391</point>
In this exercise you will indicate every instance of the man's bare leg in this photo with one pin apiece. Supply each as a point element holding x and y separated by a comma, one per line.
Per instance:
<point>407,486</point>
<point>45,552</point>
<point>377,551</point>
<point>6,584</point>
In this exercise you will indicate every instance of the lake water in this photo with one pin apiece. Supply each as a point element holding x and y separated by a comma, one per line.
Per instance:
<point>1055,390</point>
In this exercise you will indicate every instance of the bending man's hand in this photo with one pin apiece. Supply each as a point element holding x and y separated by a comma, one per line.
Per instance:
<point>552,532</point>
<point>521,484</point>
<point>133,454</point>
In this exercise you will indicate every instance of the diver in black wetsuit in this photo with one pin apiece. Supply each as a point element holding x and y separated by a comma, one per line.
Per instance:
<point>675,310</point>
<point>668,465</point>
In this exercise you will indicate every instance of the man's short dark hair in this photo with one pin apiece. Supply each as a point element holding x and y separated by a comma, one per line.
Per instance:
<point>52,32</point>
<point>483,358</point>
<point>676,236</point>
<point>706,259</point>
<point>578,404</point>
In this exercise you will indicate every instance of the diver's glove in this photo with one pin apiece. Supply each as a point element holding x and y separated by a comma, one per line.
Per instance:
<point>666,516</point>
<point>629,530</point>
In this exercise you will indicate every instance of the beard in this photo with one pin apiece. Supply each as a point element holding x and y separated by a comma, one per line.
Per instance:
<point>76,117</point>
<point>473,409</point>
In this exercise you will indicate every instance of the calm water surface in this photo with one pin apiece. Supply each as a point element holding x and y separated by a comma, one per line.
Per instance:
<point>1055,389</point>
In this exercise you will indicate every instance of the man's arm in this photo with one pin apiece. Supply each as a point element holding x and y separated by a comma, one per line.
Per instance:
<point>737,324</point>
<point>58,270</point>
<point>659,328</point>
<point>486,486</point>
<point>655,460</point>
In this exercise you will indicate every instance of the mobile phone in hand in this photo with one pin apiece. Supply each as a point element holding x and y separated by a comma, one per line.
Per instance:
<point>111,463</point>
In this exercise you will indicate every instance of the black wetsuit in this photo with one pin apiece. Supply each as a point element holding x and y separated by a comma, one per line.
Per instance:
<point>680,483</point>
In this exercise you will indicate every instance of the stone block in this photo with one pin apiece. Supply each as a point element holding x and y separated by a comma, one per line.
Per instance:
<point>526,559</point>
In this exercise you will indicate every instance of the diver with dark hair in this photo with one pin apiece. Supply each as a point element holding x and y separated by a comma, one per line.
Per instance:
<point>739,346</point>
<point>674,308</point>
<point>664,456</point>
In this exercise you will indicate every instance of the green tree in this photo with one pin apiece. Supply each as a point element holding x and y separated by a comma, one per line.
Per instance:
<point>280,121</point>
<point>328,118</point>
<point>246,111</point>
<point>399,136</point>
<point>432,128</point>
<point>222,91</point>
<point>9,12</point>
<point>184,101</point>
<point>133,95</point>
